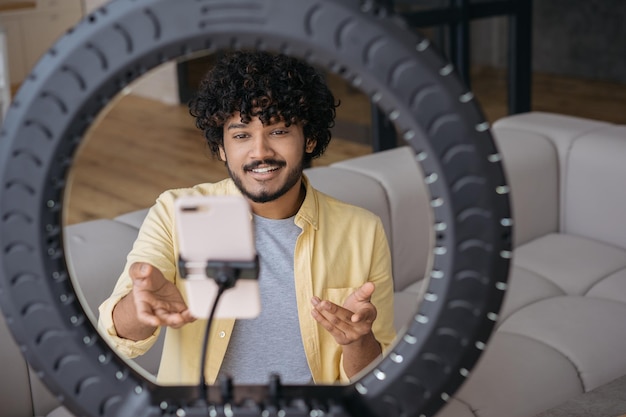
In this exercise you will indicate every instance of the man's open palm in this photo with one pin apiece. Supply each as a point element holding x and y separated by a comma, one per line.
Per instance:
<point>350,322</point>
<point>158,301</point>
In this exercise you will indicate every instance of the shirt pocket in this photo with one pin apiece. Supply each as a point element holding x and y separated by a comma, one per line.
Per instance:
<point>337,295</point>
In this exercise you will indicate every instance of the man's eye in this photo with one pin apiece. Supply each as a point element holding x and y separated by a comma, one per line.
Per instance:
<point>240,136</point>
<point>279,132</point>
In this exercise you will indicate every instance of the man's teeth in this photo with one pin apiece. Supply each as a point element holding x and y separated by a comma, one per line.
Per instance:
<point>264,169</point>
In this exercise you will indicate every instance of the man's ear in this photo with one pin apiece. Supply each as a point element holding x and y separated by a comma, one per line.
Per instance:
<point>310,145</point>
<point>222,154</point>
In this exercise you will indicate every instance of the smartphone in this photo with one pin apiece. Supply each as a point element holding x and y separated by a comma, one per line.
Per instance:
<point>212,232</point>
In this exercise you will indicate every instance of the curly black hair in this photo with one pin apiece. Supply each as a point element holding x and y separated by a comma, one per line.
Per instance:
<point>272,87</point>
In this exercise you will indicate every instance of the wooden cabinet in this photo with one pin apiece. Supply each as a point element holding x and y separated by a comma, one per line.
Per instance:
<point>32,27</point>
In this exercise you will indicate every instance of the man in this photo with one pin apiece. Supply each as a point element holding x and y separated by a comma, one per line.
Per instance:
<point>325,268</point>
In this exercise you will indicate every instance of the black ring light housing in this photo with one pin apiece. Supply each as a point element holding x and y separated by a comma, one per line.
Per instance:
<point>368,47</point>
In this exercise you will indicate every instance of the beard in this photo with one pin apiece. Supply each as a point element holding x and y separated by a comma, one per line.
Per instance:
<point>265,196</point>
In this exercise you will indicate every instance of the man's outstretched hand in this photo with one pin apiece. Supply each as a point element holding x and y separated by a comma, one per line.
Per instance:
<point>351,321</point>
<point>154,301</point>
<point>157,300</point>
<point>351,326</point>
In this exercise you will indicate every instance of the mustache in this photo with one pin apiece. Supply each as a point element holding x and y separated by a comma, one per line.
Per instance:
<point>255,164</point>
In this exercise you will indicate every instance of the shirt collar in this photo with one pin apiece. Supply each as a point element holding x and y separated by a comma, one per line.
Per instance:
<point>309,209</point>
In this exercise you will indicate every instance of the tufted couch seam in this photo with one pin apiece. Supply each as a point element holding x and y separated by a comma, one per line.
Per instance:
<point>542,276</point>
<point>564,179</point>
<point>549,346</point>
<point>606,300</point>
<point>586,294</point>
<point>471,409</point>
<point>512,313</point>
<point>524,307</point>
<point>591,286</point>
<point>600,280</point>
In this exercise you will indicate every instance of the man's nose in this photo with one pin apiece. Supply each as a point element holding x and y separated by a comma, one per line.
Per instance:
<point>261,147</point>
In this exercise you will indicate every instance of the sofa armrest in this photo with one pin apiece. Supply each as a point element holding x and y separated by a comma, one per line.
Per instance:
<point>96,253</point>
<point>15,395</point>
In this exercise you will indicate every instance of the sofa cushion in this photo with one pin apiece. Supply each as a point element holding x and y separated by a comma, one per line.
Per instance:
<point>517,376</point>
<point>612,287</point>
<point>583,290</point>
<point>524,288</point>
<point>572,263</point>
<point>582,330</point>
<point>556,332</point>
<point>608,400</point>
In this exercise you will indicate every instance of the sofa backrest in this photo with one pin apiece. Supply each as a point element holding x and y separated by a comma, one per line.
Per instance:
<point>587,165</point>
<point>595,194</point>
<point>531,168</point>
<point>390,184</point>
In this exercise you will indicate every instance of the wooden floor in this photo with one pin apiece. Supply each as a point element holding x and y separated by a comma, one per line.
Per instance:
<point>141,147</point>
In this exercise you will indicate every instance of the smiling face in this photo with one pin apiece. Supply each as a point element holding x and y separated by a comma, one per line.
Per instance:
<point>269,86</point>
<point>266,163</point>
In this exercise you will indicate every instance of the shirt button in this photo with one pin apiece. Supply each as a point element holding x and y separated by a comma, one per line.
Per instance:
<point>222,334</point>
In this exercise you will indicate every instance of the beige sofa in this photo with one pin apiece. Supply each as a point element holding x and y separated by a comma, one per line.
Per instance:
<point>562,330</point>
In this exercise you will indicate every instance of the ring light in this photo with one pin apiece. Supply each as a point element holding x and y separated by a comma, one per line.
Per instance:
<point>417,90</point>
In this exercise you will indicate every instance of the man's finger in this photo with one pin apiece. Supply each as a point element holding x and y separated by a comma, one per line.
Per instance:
<point>365,291</point>
<point>334,315</point>
<point>329,309</point>
<point>139,269</point>
<point>146,315</point>
<point>332,326</point>
<point>169,318</point>
<point>366,315</point>
<point>139,272</point>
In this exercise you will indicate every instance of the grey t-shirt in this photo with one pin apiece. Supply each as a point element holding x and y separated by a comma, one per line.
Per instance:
<point>272,342</point>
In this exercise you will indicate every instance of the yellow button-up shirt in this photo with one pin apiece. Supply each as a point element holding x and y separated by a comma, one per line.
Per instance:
<point>340,248</point>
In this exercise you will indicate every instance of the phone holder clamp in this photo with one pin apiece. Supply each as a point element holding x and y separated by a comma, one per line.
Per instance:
<point>225,273</point>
